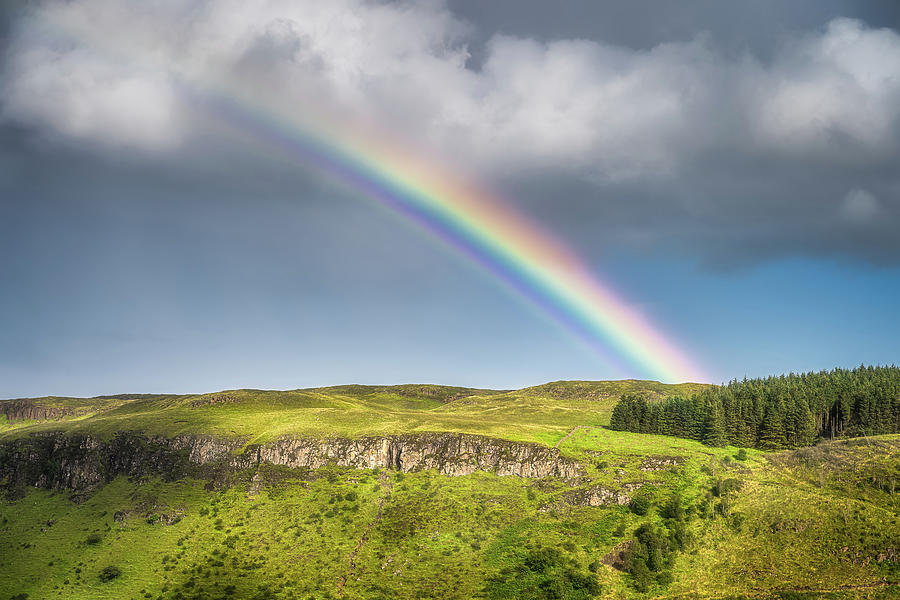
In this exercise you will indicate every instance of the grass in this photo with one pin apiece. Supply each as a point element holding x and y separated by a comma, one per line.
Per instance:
<point>541,414</point>
<point>816,522</point>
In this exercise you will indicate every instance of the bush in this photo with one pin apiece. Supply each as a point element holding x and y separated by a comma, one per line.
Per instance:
<point>109,573</point>
<point>722,487</point>
<point>640,504</point>
<point>543,573</point>
<point>93,539</point>
<point>741,454</point>
<point>673,508</point>
<point>651,554</point>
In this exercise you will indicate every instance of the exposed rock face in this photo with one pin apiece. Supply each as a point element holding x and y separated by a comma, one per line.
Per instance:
<point>597,495</point>
<point>449,453</point>
<point>82,463</point>
<point>21,410</point>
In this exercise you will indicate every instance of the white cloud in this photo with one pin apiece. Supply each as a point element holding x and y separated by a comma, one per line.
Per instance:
<point>834,89</point>
<point>81,94</point>
<point>110,70</point>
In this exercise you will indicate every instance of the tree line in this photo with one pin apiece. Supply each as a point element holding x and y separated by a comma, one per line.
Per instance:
<point>783,411</point>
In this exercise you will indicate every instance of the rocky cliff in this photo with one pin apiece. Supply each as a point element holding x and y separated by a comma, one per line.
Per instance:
<point>21,410</point>
<point>83,463</point>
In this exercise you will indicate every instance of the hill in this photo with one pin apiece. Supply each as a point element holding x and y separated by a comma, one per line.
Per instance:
<point>422,491</point>
<point>542,414</point>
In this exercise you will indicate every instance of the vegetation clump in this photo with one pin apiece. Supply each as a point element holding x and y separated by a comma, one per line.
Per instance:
<point>640,504</point>
<point>93,539</point>
<point>109,573</point>
<point>543,573</point>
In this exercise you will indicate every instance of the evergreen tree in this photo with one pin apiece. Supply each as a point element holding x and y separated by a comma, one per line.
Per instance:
<point>771,433</point>
<point>714,427</point>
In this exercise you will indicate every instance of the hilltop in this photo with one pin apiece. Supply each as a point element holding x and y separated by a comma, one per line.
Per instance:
<point>543,413</point>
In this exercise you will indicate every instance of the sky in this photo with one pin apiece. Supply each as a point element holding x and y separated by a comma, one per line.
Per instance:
<point>728,170</point>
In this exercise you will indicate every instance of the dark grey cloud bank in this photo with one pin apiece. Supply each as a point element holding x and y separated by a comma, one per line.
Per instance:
<point>642,24</point>
<point>731,132</point>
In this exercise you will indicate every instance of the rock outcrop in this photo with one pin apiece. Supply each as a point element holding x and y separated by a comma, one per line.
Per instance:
<point>22,410</point>
<point>83,463</point>
<point>597,495</point>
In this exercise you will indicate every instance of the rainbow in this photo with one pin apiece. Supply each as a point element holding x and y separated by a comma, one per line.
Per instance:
<point>500,239</point>
<point>503,241</point>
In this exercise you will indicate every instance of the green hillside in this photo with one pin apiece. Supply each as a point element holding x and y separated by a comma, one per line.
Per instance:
<point>647,516</point>
<point>542,413</point>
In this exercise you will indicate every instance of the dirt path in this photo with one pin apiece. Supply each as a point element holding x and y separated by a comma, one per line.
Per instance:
<point>387,484</point>
<point>571,433</point>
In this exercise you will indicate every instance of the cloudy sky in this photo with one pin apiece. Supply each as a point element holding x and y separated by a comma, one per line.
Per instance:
<point>730,169</point>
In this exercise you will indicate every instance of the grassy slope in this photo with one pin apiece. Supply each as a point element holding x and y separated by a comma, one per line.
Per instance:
<point>543,413</point>
<point>812,519</point>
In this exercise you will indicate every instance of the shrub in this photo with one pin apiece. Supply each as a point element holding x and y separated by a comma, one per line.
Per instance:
<point>109,573</point>
<point>741,454</point>
<point>543,573</point>
<point>673,508</point>
<point>93,539</point>
<point>721,487</point>
<point>651,554</point>
<point>640,504</point>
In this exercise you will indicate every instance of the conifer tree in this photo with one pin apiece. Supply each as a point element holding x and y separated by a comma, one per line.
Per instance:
<point>771,434</point>
<point>714,427</point>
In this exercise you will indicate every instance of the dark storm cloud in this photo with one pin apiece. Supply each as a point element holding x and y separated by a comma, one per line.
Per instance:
<point>733,132</point>
<point>643,24</point>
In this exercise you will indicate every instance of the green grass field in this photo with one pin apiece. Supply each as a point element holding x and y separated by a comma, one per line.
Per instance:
<point>816,522</point>
<point>543,413</point>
